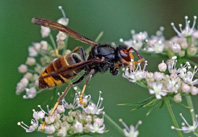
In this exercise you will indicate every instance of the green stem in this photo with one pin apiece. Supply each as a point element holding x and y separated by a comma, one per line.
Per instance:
<point>66,43</point>
<point>96,40</point>
<point>52,40</point>
<point>170,111</point>
<point>142,85</point>
<point>190,104</point>
<point>99,36</point>
<point>114,124</point>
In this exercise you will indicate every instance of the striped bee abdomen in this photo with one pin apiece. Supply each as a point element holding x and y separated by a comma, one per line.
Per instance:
<point>56,80</point>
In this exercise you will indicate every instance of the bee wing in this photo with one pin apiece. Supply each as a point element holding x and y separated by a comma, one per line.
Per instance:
<point>69,69</point>
<point>54,25</point>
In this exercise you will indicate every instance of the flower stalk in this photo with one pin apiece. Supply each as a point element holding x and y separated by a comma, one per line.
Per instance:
<point>170,111</point>
<point>190,105</point>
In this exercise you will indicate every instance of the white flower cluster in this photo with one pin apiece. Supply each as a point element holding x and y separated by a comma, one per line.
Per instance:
<point>177,81</point>
<point>41,54</point>
<point>67,120</point>
<point>130,131</point>
<point>184,44</point>
<point>186,127</point>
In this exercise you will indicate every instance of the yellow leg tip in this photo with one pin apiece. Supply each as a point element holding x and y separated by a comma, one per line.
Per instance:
<point>43,126</point>
<point>57,53</point>
<point>82,103</point>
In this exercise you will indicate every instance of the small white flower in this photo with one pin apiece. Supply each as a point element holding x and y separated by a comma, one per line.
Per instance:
<point>172,65</point>
<point>149,75</point>
<point>96,128</point>
<point>155,45</point>
<point>187,31</point>
<point>62,132</point>
<point>32,52</point>
<point>60,109</point>
<point>31,128</point>
<point>133,43</point>
<point>44,46</point>
<point>158,76</point>
<point>45,31</point>
<point>50,119</point>
<point>177,98</point>
<point>37,46</point>
<point>185,88</point>
<point>135,75</point>
<point>192,51</point>
<point>157,90</point>
<point>130,131</point>
<point>173,83</point>
<point>194,90</point>
<point>30,61</point>
<point>162,66</point>
<point>99,121</point>
<point>64,21</point>
<point>95,109</point>
<point>187,75</point>
<point>50,129</point>
<point>186,128</point>
<point>22,68</point>
<point>78,127</point>
<point>176,48</point>
<point>60,36</point>
<point>28,76</point>
<point>38,115</point>
<point>140,36</point>
<point>30,93</point>
<point>24,81</point>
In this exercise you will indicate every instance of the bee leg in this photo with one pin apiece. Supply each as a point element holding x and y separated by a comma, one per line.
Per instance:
<point>62,96</point>
<point>84,87</point>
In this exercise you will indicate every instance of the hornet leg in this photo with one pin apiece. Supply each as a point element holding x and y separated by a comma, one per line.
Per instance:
<point>84,87</point>
<point>62,96</point>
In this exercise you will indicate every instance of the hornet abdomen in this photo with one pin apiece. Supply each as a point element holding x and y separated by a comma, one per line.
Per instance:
<point>62,62</point>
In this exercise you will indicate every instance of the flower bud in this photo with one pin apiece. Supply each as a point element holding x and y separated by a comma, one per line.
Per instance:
<point>50,129</point>
<point>177,98</point>
<point>182,53</point>
<point>195,34</point>
<point>32,52</point>
<point>184,44</point>
<point>60,109</point>
<point>24,81</point>
<point>45,31</point>
<point>30,61</point>
<point>60,36</point>
<point>50,119</point>
<point>28,76</point>
<point>158,76</point>
<point>176,48</point>
<point>22,68</point>
<point>194,90</point>
<point>63,21</point>
<point>162,66</point>
<point>191,51</point>
<point>44,46</point>
<point>149,75</point>
<point>185,87</point>
<point>37,46</point>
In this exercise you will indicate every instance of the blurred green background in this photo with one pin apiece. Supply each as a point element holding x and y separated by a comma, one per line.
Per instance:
<point>89,17</point>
